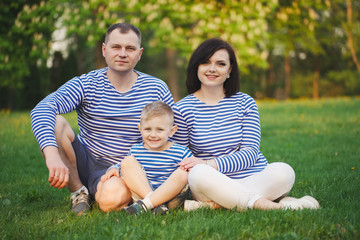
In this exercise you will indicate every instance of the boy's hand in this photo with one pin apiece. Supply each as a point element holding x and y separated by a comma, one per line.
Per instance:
<point>187,163</point>
<point>109,174</point>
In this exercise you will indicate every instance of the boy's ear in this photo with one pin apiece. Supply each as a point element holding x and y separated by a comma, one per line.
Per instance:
<point>173,130</point>
<point>139,127</point>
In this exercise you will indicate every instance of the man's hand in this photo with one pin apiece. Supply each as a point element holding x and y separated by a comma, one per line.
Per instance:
<point>109,174</point>
<point>58,171</point>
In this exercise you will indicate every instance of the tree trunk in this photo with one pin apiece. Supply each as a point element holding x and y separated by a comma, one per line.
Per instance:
<point>349,34</point>
<point>316,83</point>
<point>270,80</point>
<point>171,73</point>
<point>10,97</point>
<point>287,69</point>
<point>99,58</point>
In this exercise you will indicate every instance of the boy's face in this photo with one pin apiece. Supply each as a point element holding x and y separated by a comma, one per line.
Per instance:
<point>156,131</point>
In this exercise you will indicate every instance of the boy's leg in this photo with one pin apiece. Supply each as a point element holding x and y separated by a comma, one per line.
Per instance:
<point>135,177</point>
<point>170,188</point>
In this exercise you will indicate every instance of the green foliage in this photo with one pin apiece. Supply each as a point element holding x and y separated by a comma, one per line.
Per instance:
<point>26,39</point>
<point>319,139</point>
<point>261,32</point>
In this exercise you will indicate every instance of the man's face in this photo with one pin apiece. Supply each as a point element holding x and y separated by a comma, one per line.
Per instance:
<point>122,51</point>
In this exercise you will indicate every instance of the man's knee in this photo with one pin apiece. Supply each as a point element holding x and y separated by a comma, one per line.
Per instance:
<point>113,195</point>
<point>63,129</point>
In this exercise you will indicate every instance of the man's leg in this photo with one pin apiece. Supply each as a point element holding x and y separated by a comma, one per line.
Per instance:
<point>112,195</point>
<point>65,136</point>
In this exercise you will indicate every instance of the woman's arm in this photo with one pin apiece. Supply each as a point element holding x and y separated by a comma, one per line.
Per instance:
<point>248,151</point>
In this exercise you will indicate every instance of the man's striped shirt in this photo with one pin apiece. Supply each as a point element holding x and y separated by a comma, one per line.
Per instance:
<point>107,119</point>
<point>228,132</point>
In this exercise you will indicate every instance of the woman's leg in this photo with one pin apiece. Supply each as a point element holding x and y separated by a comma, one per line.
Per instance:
<point>208,184</point>
<point>275,181</point>
<point>257,191</point>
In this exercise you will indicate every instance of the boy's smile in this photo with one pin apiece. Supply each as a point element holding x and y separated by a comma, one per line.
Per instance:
<point>156,132</point>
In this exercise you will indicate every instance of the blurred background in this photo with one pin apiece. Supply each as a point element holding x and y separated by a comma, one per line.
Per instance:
<point>286,49</point>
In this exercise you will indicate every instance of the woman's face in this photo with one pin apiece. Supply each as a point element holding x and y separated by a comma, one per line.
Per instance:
<point>214,72</point>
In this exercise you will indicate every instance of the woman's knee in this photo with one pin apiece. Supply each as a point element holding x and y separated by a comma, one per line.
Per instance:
<point>113,195</point>
<point>198,177</point>
<point>282,173</point>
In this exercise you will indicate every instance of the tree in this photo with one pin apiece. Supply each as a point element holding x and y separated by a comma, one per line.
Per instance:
<point>25,41</point>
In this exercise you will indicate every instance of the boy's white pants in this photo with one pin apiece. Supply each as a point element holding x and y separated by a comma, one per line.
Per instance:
<point>208,184</point>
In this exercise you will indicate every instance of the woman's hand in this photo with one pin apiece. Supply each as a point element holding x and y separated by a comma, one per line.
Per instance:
<point>109,174</point>
<point>190,162</point>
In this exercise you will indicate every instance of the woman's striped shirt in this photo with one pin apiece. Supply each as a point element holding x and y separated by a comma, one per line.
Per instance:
<point>158,165</point>
<point>228,132</point>
<point>107,119</point>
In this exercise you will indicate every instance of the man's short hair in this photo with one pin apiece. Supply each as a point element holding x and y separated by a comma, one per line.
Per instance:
<point>123,28</point>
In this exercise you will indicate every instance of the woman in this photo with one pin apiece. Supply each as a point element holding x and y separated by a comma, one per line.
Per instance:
<point>221,127</point>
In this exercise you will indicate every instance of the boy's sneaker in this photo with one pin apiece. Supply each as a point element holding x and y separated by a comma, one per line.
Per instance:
<point>80,202</point>
<point>136,208</point>
<point>160,210</point>
<point>300,203</point>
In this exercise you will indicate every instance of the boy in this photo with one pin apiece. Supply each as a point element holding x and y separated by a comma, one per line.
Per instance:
<point>151,168</point>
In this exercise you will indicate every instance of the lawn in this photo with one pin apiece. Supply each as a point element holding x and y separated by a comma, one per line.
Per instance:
<point>319,139</point>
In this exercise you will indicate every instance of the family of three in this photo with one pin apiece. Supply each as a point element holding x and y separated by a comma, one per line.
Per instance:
<point>137,150</point>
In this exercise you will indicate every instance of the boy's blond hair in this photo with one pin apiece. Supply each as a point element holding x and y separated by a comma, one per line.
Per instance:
<point>155,109</point>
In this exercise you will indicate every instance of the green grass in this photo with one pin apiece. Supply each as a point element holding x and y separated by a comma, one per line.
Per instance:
<point>319,139</point>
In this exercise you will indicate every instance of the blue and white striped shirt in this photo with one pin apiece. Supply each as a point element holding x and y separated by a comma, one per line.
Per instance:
<point>107,119</point>
<point>228,132</point>
<point>158,165</point>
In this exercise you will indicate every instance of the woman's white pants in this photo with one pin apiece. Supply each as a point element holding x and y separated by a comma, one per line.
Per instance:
<point>208,184</point>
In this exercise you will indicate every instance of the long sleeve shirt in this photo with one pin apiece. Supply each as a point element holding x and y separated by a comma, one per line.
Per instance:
<point>107,119</point>
<point>228,132</point>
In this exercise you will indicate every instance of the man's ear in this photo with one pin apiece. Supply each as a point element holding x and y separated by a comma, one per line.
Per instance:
<point>103,49</point>
<point>141,51</point>
<point>173,130</point>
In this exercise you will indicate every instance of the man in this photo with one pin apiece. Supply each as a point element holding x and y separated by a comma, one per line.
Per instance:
<point>108,102</point>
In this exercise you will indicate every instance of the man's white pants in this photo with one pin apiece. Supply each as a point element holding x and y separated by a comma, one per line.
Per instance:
<point>208,184</point>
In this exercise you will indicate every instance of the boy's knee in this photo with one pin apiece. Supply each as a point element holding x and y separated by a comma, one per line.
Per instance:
<point>128,161</point>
